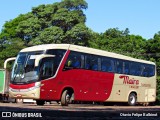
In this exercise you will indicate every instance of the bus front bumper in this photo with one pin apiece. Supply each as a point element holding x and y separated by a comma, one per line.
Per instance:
<point>31,93</point>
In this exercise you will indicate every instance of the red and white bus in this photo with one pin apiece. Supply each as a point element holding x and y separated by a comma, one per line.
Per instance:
<point>66,73</point>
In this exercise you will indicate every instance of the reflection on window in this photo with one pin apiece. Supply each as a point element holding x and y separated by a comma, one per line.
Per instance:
<point>148,71</point>
<point>47,69</point>
<point>94,62</point>
<point>106,65</point>
<point>119,65</point>
<point>74,60</point>
<point>126,67</point>
<point>58,55</point>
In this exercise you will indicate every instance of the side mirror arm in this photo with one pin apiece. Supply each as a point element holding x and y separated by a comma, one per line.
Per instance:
<point>41,57</point>
<point>6,61</point>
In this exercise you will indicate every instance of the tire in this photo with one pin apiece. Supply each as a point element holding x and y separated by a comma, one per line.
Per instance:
<point>132,99</point>
<point>40,102</point>
<point>65,98</point>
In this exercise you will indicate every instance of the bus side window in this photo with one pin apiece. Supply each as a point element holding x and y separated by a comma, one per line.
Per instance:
<point>94,62</point>
<point>59,53</point>
<point>91,62</point>
<point>87,62</point>
<point>148,70</point>
<point>47,68</point>
<point>99,63</point>
<point>132,69</point>
<point>119,65</point>
<point>151,70</point>
<point>106,64</point>
<point>126,67</point>
<point>82,61</point>
<point>139,69</point>
<point>74,60</point>
<point>145,71</point>
<point>103,64</point>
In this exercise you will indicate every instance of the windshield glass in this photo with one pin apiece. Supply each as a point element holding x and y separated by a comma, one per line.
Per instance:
<point>23,70</point>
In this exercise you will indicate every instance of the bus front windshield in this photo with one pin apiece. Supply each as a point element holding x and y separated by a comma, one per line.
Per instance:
<point>23,70</point>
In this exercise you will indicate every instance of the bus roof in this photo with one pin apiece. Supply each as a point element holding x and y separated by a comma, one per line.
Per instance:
<point>45,47</point>
<point>84,50</point>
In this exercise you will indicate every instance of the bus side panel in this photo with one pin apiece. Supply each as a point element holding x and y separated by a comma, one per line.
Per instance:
<point>145,88</point>
<point>2,81</point>
<point>87,85</point>
<point>119,90</point>
<point>51,88</point>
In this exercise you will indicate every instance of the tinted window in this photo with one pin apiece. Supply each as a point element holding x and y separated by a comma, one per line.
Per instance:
<point>106,64</point>
<point>139,69</point>
<point>132,68</point>
<point>126,67</point>
<point>47,68</point>
<point>87,62</point>
<point>91,62</point>
<point>148,70</point>
<point>94,62</point>
<point>119,65</point>
<point>58,55</point>
<point>74,60</point>
<point>151,71</point>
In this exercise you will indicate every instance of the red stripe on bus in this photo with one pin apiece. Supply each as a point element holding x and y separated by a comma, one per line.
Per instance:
<point>26,86</point>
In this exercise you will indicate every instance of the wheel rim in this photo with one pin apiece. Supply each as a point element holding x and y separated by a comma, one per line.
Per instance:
<point>67,98</point>
<point>132,99</point>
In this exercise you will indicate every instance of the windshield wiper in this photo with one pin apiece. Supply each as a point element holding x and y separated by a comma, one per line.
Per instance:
<point>20,72</point>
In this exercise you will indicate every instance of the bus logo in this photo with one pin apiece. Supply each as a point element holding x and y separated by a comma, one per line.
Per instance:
<point>127,80</point>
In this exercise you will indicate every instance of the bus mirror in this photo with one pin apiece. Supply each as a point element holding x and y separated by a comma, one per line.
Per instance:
<point>8,60</point>
<point>40,57</point>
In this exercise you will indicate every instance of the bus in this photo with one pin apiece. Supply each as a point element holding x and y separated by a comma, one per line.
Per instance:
<point>68,73</point>
<point>5,77</point>
<point>5,74</point>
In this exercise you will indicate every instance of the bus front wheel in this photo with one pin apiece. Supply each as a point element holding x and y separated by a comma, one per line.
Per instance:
<point>40,102</point>
<point>132,99</point>
<point>65,98</point>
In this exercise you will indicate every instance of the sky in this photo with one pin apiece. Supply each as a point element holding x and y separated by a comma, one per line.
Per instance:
<point>140,16</point>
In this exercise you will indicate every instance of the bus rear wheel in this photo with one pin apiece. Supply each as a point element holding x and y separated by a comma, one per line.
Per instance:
<point>40,102</point>
<point>132,99</point>
<point>66,98</point>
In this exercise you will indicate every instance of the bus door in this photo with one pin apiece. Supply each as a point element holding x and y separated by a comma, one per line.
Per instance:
<point>46,72</point>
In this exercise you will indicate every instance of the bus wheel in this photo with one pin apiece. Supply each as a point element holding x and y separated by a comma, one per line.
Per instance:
<point>40,102</point>
<point>132,99</point>
<point>65,98</point>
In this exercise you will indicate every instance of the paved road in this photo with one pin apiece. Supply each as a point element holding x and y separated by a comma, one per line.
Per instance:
<point>77,111</point>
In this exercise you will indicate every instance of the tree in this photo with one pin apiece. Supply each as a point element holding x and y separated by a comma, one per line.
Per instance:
<point>49,35</point>
<point>61,22</point>
<point>153,50</point>
<point>61,16</point>
<point>10,50</point>
<point>121,42</point>
<point>78,35</point>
